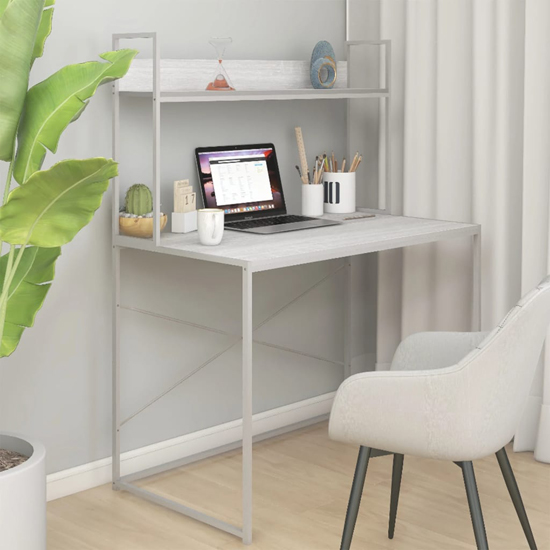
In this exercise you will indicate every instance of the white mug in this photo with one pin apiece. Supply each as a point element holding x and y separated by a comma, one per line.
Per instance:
<point>210,225</point>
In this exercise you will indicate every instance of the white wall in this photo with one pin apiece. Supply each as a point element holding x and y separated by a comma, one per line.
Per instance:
<point>57,385</point>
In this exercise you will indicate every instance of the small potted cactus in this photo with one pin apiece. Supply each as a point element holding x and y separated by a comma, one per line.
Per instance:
<point>136,218</point>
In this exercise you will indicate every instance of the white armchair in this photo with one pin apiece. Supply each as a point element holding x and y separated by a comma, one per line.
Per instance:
<point>449,396</point>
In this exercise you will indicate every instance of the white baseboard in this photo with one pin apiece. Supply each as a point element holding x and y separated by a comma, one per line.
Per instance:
<point>88,476</point>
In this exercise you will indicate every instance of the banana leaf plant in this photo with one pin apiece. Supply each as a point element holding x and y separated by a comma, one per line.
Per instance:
<point>47,208</point>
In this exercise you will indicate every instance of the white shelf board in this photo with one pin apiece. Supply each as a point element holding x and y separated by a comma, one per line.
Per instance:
<point>184,75</point>
<point>262,95</point>
<point>185,80</point>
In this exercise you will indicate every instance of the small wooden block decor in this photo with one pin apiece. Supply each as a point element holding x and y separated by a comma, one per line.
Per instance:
<point>184,217</point>
<point>184,198</point>
<point>190,202</point>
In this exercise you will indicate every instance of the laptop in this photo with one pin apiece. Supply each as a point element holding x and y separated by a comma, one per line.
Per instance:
<point>244,181</point>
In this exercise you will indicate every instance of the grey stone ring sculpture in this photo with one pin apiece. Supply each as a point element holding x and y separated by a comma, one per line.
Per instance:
<point>323,66</point>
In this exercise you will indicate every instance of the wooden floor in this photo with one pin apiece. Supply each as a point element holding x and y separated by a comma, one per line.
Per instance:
<point>301,486</point>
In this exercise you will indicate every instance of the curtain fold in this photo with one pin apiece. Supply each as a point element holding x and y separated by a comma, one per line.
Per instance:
<point>534,430</point>
<point>473,105</point>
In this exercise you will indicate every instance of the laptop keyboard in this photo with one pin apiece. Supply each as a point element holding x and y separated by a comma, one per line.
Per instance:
<point>264,222</point>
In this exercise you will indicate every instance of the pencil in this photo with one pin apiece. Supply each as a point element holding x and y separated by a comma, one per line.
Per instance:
<point>344,165</point>
<point>353,162</point>
<point>358,163</point>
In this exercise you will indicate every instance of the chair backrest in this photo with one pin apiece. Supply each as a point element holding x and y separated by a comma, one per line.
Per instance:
<point>500,371</point>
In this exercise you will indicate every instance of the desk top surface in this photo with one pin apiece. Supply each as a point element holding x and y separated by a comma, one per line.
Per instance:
<point>351,238</point>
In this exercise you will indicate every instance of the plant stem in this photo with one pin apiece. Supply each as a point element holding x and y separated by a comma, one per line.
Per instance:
<point>8,183</point>
<point>5,291</point>
<point>9,280</point>
<point>8,275</point>
<point>7,186</point>
<point>10,264</point>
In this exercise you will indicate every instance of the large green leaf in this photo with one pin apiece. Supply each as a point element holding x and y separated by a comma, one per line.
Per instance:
<point>55,204</point>
<point>44,29</point>
<point>53,104</point>
<point>18,27</point>
<point>27,292</point>
<point>3,6</point>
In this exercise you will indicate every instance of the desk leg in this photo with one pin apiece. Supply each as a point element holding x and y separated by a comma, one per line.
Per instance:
<point>116,367</point>
<point>348,302</point>
<point>247,404</point>
<point>476,286</point>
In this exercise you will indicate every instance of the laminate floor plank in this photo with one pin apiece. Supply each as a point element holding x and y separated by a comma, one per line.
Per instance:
<point>301,487</point>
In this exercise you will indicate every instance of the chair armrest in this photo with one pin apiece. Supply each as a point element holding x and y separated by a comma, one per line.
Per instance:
<point>435,350</point>
<point>409,412</point>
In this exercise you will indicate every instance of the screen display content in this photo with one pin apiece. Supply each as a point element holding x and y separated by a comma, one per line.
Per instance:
<point>240,180</point>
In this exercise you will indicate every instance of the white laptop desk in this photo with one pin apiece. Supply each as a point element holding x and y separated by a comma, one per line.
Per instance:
<point>254,253</point>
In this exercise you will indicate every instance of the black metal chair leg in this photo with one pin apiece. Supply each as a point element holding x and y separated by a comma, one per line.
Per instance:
<point>513,489</point>
<point>397,473</point>
<point>355,496</point>
<point>475,505</point>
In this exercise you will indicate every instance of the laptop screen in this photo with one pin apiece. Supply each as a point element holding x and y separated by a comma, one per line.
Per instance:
<point>242,180</point>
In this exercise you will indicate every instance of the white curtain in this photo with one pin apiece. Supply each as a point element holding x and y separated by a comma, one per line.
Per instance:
<point>470,142</point>
<point>534,430</point>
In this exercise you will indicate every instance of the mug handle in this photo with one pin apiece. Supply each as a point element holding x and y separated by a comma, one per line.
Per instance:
<point>215,227</point>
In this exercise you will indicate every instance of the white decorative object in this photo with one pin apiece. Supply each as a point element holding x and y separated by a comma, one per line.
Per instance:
<point>312,200</point>
<point>221,80</point>
<point>23,496</point>
<point>210,226</point>
<point>184,217</point>
<point>340,191</point>
<point>184,222</point>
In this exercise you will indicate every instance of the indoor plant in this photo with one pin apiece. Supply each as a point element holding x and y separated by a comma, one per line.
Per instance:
<point>45,211</point>
<point>136,218</point>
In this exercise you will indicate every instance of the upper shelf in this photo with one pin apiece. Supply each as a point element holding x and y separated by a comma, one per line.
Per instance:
<point>185,80</point>
<point>260,95</point>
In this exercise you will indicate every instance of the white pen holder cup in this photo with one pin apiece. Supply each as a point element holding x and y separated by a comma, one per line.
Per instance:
<point>339,192</point>
<point>312,200</point>
<point>210,226</point>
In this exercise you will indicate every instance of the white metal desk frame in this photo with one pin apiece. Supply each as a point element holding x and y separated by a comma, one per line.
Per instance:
<point>247,269</point>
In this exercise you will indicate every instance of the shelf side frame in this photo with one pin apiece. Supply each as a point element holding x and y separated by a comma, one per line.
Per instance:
<point>116,418</point>
<point>384,134</point>
<point>156,104</point>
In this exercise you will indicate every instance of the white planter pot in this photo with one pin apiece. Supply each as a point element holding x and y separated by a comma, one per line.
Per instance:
<point>23,497</point>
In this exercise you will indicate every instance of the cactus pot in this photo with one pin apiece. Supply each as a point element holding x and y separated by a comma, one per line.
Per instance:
<point>23,496</point>
<point>140,227</point>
